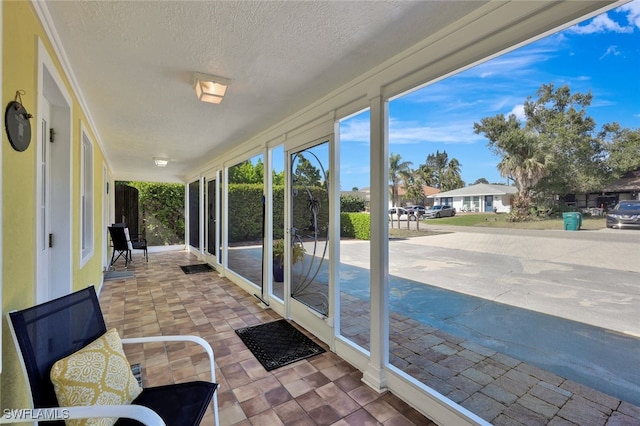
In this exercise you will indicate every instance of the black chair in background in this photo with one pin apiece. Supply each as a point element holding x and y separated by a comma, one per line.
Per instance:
<point>123,244</point>
<point>48,332</point>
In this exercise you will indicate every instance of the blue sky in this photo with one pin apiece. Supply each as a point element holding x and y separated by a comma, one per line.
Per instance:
<point>601,55</point>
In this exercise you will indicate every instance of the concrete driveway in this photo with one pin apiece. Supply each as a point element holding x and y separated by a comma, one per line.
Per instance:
<point>565,301</point>
<point>587,276</point>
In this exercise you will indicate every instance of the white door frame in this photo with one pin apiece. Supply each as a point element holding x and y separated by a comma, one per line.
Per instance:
<point>1,186</point>
<point>54,270</point>
<point>320,325</point>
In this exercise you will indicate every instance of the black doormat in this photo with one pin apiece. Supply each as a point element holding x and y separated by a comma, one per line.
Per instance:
<point>196,269</point>
<point>118,275</point>
<point>278,343</point>
<point>136,369</point>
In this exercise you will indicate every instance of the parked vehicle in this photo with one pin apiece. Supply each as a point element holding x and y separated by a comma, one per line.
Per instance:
<point>416,210</point>
<point>403,213</point>
<point>440,211</point>
<point>626,214</point>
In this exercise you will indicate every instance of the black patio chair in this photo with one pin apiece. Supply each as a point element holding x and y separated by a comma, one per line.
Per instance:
<point>56,329</point>
<point>123,244</point>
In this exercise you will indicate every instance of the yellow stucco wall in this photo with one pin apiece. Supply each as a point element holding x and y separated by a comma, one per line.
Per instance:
<point>21,30</point>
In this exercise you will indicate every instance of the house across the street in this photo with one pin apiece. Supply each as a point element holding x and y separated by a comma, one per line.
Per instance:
<point>482,197</point>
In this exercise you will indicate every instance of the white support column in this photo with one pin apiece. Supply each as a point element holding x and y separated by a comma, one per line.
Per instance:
<point>375,375</point>
<point>333,319</point>
<point>202,215</point>
<point>267,258</point>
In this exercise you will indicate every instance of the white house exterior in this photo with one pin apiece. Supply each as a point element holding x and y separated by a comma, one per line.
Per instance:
<point>482,197</point>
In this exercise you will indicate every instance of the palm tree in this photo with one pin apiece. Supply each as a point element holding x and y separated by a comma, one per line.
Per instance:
<point>526,167</point>
<point>451,177</point>
<point>413,185</point>
<point>427,175</point>
<point>396,170</point>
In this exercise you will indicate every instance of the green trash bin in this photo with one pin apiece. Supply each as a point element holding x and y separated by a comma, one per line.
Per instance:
<point>572,221</point>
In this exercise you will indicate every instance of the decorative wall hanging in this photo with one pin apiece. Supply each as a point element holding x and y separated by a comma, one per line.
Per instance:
<point>16,123</point>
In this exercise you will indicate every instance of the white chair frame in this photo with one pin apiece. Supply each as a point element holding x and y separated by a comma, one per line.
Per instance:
<point>137,412</point>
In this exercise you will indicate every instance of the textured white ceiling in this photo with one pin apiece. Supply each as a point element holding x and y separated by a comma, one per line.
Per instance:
<point>134,62</point>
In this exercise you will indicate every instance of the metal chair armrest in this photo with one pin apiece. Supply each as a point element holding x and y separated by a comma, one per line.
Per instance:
<point>194,339</point>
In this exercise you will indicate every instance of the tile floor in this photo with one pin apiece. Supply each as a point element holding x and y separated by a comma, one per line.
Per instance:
<point>325,390</point>
<point>161,299</point>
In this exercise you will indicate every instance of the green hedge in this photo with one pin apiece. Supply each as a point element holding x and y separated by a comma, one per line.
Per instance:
<point>161,207</point>
<point>162,210</point>
<point>245,212</point>
<point>355,225</point>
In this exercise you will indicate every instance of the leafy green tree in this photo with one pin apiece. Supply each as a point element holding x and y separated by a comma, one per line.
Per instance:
<point>396,168</point>
<point>437,165</point>
<point>560,122</point>
<point>247,172</point>
<point>623,148</point>
<point>351,204</point>
<point>441,172</point>
<point>306,173</point>
<point>553,152</point>
<point>523,159</point>
<point>480,180</point>
<point>277,178</point>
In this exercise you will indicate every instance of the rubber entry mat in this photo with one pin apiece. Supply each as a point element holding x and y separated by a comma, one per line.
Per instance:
<point>195,269</point>
<point>278,343</point>
<point>136,369</point>
<point>117,275</point>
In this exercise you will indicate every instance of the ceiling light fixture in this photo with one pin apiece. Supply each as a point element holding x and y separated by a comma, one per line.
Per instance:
<point>161,162</point>
<point>210,88</point>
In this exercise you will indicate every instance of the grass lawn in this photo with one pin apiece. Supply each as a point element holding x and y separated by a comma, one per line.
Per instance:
<point>500,221</point>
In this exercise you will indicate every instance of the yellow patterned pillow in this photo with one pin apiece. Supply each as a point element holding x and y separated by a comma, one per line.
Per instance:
<point>98,374</point>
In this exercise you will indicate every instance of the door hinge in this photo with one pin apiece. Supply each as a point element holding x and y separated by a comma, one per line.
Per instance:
<point>50,240</point>
<point>52,135</point>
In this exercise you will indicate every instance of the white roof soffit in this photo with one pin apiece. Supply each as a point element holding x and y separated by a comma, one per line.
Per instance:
<point>131,64</point>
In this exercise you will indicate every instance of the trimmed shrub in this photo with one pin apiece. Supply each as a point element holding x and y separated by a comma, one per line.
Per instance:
<point>161,207</point>
<point>245,212</point>
<point>355,225</point>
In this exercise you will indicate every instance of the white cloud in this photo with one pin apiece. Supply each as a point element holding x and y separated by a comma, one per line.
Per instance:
<point>521,61</point>
<point>409,133</point>
<point>600,24</point>
<point>611,50</point>
<point>633,12</point>
<point>354,130</point>
<point>518,111</point>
